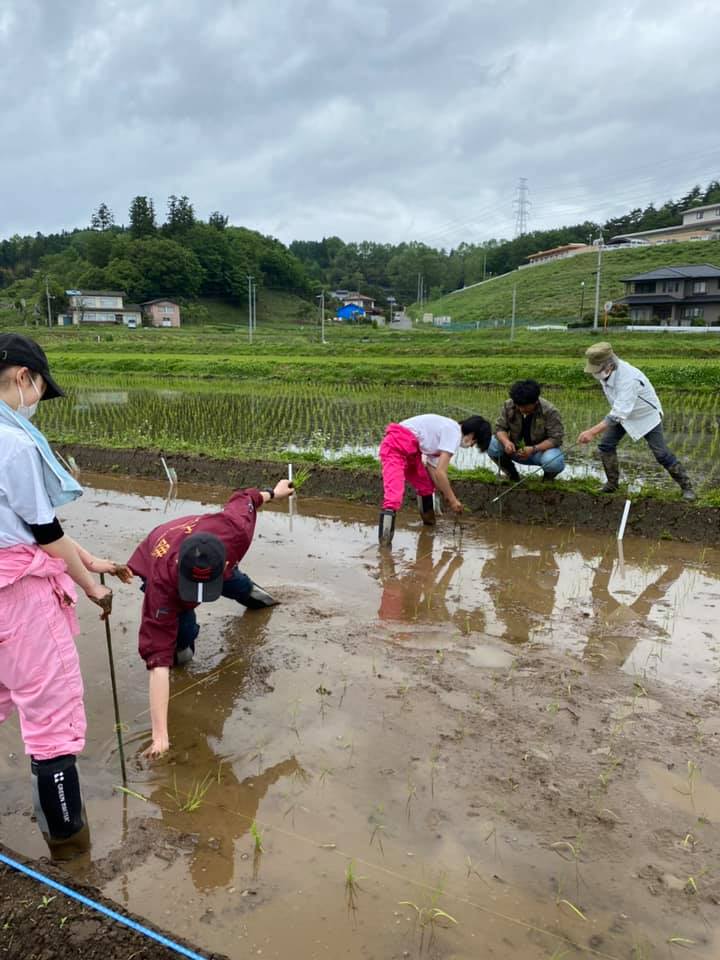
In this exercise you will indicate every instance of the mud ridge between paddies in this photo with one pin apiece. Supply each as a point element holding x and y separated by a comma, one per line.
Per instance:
<point>649,517</point>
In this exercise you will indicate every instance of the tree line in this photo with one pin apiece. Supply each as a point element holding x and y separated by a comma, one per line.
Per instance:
<point>185,257</point>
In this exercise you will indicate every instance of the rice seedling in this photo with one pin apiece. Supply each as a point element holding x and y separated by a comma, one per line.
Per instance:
<point>434,757</point>
<point>256,834</point>
<point>570,853</point>
<point>429,917</point>
<point>301,477</point>
<point>378,827</point>
<point>411,795</point>
<point>324,774</point>
<point>352,887</point>
<point>681,942</point>
<point>191,800</point>
<point>130,793</point>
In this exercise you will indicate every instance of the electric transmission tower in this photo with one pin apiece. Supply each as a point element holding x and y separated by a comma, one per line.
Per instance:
<point>522,205</point>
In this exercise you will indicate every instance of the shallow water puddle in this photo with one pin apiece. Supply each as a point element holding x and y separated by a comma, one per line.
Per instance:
<point>377,718</point>
<point>686,790</point>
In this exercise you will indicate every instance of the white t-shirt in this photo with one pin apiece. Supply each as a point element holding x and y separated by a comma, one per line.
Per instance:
<point>435,434</point>
<point>23,497</point>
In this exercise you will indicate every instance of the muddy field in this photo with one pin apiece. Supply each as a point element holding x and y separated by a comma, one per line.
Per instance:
<point>498,741</point>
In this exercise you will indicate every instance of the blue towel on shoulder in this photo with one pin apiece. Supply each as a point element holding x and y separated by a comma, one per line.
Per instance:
<point>60,485</point>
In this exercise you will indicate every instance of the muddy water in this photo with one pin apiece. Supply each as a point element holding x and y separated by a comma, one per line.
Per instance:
<point>493,721</point>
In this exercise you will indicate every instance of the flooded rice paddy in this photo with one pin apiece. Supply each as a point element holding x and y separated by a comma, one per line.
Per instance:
<point>242,418</point>
<point>495,741</point>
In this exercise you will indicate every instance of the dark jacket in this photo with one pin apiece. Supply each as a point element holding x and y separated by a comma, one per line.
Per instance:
<point>546,423</point>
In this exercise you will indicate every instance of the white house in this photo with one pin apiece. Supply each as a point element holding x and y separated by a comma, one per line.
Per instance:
<point>99,306</point>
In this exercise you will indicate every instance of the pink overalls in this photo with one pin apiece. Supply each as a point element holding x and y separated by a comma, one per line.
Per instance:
<point>39,666</point>
<point>401,461</point>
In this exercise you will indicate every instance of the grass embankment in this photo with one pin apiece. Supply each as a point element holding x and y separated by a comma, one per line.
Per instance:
<point>361,354</point>
<point>552,291</point>
<point>670,373</point>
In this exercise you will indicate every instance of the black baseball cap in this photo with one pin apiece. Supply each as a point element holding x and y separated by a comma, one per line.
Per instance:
<point>201,566</point>
<point>23,352</point>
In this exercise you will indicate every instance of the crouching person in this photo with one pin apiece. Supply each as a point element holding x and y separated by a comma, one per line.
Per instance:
<point>183,563</point>
<point>418,452</point>
<point>528,430</point>
<point>39,568</point>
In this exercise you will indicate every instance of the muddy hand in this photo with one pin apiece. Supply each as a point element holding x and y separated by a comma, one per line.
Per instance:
<point>157,748</point>
<point>123,572</point>
<point>103,597</point>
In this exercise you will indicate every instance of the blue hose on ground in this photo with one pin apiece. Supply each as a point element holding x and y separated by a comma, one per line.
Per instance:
<point>126,921</point>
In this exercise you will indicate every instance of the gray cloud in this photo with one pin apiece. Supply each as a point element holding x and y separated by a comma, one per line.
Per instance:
<point>383,120</point>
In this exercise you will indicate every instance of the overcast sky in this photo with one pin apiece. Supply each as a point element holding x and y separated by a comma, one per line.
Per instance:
<point>370,119</point>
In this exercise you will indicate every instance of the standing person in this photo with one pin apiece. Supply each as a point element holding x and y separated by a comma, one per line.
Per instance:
<point>183,563</point>
<point>39,667</point>
<point>528,430</point>
<point>635,410</point>
<point>434,440</point>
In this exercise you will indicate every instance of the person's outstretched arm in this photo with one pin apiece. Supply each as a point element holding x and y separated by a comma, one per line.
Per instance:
<point>159,689</point>
<point>439,475</point>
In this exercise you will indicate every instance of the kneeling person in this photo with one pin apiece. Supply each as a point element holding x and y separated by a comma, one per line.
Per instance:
<point>528,430</point>
<point>185,562</point>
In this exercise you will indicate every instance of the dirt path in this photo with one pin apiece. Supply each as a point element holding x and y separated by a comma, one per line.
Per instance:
<point>504,723</point>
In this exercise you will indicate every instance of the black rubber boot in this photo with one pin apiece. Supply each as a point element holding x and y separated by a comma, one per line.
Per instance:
<point>612,472</point>
<point>258,599</point>
<point>386,527</point>
<point>59,808</point>
<point>677,472</point>
<point>508,467</point>
<point>426,509</point>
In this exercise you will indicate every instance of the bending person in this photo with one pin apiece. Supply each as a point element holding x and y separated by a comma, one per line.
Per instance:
<point>183,563</point>
<point>418,451</point>
<point>635,411</point>
<point>528,430</point>
<point>39,666</point>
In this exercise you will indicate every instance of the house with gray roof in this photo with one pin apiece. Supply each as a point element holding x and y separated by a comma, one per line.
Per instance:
<point>674,296</point>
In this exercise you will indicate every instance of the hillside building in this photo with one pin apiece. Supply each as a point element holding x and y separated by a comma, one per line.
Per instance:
<point>99,306</point>
<point>698,223</point>
<point>674,296</point>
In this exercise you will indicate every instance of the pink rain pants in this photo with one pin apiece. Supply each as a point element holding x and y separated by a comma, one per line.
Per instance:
<point>39,667</point>
<point>402,463</point>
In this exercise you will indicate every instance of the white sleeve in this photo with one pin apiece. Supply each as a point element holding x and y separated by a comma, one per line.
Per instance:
<point>450,437</point>
<point>625,399</point>
<point>21,480</point>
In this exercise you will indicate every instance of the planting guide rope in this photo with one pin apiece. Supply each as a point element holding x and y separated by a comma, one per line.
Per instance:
<point>426,887</point>
<point>106,911</point>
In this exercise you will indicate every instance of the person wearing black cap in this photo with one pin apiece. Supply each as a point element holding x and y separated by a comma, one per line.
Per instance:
<point>39,567</point>
<point>185,562</point>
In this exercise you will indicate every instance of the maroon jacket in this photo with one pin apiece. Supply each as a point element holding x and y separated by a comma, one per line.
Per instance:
<point>155,559</point>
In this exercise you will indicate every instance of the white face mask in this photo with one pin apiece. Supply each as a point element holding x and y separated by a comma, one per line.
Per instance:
<point>28,410</point>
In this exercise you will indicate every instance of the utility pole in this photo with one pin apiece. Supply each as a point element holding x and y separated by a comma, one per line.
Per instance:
<point>254,310</point>
<point>600,242</point>
<point>512,321</point>
<point>47,296</point>
<point>522,205</point>
<point>484,264</point>
<point>321,298</point>
<point>250,307</point>
<point>582,299</point>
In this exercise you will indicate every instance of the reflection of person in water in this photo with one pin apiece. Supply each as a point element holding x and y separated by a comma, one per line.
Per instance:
<point>523,588</point>
<point>613,633</point>
<point>417,591</point>
<point>230,805</point>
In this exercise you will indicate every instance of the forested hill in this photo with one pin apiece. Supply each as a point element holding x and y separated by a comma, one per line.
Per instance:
<point>186,257</point>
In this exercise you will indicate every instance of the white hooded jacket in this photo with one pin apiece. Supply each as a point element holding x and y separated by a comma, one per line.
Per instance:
<point>635,405</point>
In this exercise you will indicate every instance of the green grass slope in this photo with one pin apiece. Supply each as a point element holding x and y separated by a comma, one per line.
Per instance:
<point>552,291</point>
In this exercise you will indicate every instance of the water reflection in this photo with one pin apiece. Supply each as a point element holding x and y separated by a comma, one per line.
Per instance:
<point>523,584</point>
<point>204,757</point>
<point>416,590</point>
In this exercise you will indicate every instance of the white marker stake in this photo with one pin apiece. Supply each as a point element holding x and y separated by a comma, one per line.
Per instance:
<point>623,520</point>
<point>621,560</point>
<point>167,472</point>
<point>291,505</point>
